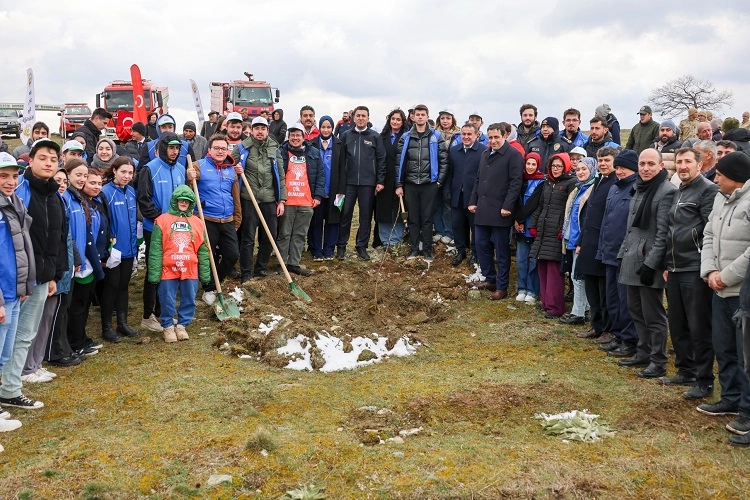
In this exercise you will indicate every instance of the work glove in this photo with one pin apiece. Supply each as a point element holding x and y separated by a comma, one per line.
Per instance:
<point>647,275</point>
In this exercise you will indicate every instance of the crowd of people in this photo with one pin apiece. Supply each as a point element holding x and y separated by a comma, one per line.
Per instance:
<point>622,224</point>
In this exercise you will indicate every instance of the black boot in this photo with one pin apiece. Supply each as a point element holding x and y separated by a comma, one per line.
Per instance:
<point>109,334</point>
<point>123,328</point>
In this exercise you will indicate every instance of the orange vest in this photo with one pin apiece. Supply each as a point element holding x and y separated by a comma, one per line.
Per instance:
<point>181,239</point>
<point>297,185</point>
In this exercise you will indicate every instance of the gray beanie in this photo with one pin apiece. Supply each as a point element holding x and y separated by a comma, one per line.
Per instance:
<point>670,124</point>
<point>603,110</point>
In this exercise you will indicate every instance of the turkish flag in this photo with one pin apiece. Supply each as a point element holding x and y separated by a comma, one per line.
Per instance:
<point>139,108</point>
<point>124,125</point>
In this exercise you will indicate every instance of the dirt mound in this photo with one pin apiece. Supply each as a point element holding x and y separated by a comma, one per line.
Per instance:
<point>393,298</point>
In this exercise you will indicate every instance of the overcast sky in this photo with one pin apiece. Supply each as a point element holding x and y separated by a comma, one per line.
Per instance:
<point>463,55</point>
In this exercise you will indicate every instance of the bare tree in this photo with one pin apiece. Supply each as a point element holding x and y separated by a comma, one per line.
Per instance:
<point>676,96</point>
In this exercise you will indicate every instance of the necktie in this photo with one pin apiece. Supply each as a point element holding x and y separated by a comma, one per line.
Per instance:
<point>139,146</point>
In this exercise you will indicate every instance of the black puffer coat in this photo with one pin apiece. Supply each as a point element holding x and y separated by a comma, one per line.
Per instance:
<point>549,216</point>
<point>591,225</point>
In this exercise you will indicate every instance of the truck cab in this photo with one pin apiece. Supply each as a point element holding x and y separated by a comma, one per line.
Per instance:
<point>118,96</point>
<point>72,117</point>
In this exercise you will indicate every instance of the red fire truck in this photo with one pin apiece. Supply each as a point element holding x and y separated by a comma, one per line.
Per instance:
<point>248,95</point>
<point>72,117</point>
<point>118,95</point>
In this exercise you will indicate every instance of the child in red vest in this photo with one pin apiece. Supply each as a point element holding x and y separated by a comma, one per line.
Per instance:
<point>178,258</point>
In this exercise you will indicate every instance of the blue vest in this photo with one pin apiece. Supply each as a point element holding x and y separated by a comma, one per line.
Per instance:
<point>435,138</point>
<point>8,271</point>
<point>122,214</point>
<point>215,187</point>
<point>153,152</point>
<point>164,179</point>
<point>530,188</point>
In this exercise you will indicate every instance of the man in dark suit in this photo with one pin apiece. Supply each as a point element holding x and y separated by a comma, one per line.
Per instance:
<point>493,199</point>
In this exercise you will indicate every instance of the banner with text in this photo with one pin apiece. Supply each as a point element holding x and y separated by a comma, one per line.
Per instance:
<point>198,105</point>
<point>29,110</point>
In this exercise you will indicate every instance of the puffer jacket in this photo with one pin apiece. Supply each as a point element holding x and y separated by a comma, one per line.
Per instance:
<point>647,246</point>
<point>264,169</point>
<point>547,148</point>
<point>579,140</point>
<point>422,159</point>
<point>687,218</point>
<point>549,216</point>
<point>525,137</point>
<point>19,274</point>
<point>615,219</point>
<point>726,240</point>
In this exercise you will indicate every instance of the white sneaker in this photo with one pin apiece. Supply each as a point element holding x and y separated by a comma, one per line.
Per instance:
<point>521,297</point>
<point>9,425</point>
<point>33,378</point>
<point>209,298</point>
<point>530,299</point>
<point>436,238</point>
<point>181,332</point>
<point>46,373</point>
<point>4,415</point>
<point>1,448</point>
<point>447,240</point>
<point>152,324</point>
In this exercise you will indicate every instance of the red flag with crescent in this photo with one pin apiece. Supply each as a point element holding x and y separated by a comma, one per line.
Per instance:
<point>139,109</point>
<point>124,126</point>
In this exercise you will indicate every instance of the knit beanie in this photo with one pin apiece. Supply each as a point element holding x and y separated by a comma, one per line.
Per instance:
<point>139,127</point>
<point>189,126</point>
<point>552,122</point>
<point>729,124</point>
<point>628,159</point>
<point>670,124</point>
<point>735,166</point>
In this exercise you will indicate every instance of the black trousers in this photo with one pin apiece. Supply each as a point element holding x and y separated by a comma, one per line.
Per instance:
<point>114,294</point>
<point>223,239</point>
<point>420,202</point>
<point>58,346</point>
<point>150,300</point>
<point>689,315</point>
<point>646,307</point>
<point>366,197</point>
<point>250,225</point>
<point>462,222</point>
<point>596,294</point>
<point>80,303</point>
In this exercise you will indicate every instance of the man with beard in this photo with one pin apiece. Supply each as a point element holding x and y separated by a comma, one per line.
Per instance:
<point>91,130</point>
<point>164,124</point>
<point>613,124</point>
<point>307,119</point>
<point>197,142</point>
<point>600,136</point>
<point>528,127</point>
<point>234,130</point>
<point>572,133</point>
<point>667,144</point>
<point>548,142</point>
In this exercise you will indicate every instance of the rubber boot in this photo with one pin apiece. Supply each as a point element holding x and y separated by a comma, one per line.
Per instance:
<point>123,328</point>
<point>109,334</point>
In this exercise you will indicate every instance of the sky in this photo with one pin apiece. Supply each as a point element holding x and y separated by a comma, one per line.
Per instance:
<point>465,56</point>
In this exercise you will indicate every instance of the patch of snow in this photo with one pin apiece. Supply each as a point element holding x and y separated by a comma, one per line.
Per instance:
<point>410,432</point>
<point>476,277</point>
<point>332,350</point>
<point>238,294</point>
<point>266,328</point>
<point>438,299</point>
<point>451,250</point>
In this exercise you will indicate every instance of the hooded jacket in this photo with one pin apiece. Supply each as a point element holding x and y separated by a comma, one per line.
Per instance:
<point>220,191</point>
<point>49,228</point>
<point>157,180</point>
<point>263,169</point>
<point>123,209</point>
<point>153,149</point>
<point>741,137</point>
<point>549,216</point>
<point>17,274</point>
<point>277,128</point>
<point>726,240</point>
<point>178,248</point>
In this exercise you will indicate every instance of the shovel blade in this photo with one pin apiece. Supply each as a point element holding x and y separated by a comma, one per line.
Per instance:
<point>226,308</point>
<point>298,292</point>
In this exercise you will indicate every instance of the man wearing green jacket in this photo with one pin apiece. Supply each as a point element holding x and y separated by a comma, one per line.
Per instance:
<point>644,133</point>
<point>261,160</point>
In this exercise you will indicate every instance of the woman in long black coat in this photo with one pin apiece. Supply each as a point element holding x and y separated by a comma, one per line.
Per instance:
<point>324,227</point>
<point>386,206</point>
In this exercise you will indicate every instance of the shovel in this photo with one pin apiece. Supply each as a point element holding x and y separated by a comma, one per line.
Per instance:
<point>296,290</point>
<point>224,307</point>
<point>404,213</point>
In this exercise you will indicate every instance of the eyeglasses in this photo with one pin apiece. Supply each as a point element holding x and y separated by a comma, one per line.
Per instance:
<point>220,150</point>
<point>558,166</point>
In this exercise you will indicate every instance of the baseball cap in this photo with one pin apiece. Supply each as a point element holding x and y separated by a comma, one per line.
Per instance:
<point>259,120</point>
<point>234,117</point>
<point>212,112</point>
<point>44,143</point>
<point>164,120</point>
<point>475,113</point>
<point>174,142</point>
<point>295,126</point>
<point>7,160</point>
<point>645,109</point>
<point>446,111</point>
<point>74,145</point>
<point>578,150</point>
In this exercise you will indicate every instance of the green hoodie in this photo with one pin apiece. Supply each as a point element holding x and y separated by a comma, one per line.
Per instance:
<point>156,250</point>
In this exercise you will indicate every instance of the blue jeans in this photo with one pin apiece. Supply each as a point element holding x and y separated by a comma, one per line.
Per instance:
<point>442,217</point>
<point>29,317</point>
<point>168,300</point>
<point>728,347</point>
<point>8,330</point>
<point>391,238</point>
<point>528,278</point>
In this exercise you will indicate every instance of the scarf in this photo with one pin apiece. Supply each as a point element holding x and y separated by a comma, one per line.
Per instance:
<point>535,176</point>
<point>648,188</point>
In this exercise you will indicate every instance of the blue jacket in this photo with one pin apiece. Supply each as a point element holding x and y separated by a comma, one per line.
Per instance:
<point>98,238</point>
<point>615,221</point>
<point>462,172</point>
<point>123,212</point>
<point>578,141</point>
<point>76,221</point>
<point>413,175</point>
<point>63,286</point>
<point>575,222</point>
<point>215,188</point>
<point>531,187</point>
<point>181,159</point>
<point>156,183</point>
